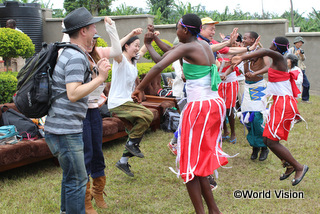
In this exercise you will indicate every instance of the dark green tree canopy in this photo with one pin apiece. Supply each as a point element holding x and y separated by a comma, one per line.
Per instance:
<point>94,6</point>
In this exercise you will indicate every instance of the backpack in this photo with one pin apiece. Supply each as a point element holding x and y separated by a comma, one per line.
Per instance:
<point>9,135</point>
<point>25,127</point>
<point>33,96</point>
<point>171,118</point>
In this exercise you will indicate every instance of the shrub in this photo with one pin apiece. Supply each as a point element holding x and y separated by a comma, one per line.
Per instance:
<point>8,85</point>
<point>156,48</point>
<point>14,44</point>
<point>101,43</point>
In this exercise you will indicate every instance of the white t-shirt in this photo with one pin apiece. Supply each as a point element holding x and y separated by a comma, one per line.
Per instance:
<point>123,79</point>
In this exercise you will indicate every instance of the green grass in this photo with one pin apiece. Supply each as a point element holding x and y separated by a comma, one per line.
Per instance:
<point>155,189</point>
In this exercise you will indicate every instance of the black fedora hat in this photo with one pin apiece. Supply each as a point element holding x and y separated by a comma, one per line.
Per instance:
<point>77,19</point>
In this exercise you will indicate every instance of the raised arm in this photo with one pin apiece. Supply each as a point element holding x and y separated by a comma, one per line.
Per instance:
<point>115,49</point>
<point>172,56</point>
<point>237,50</point>
<point>163,46</point>
<point>219,46</point>
<point>148,38</point>
<point>123,41</point>
<point>278,61</point>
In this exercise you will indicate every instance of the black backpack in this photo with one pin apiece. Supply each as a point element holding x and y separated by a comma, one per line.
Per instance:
<point>33,96</point>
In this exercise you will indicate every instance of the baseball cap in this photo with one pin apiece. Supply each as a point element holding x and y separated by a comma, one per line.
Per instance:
<point>208,20</point>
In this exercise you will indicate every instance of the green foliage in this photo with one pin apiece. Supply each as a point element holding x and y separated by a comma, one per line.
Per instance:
<point>157,49</point>
<point>14,43</point>
<point>58,13</point>
<point>8,84</point>
<point>123,9</point>
<point>164,6</point>
<point>101,43</point>
<point>94,6</point>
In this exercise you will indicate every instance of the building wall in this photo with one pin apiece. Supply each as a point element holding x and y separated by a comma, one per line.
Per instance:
<point>268,29</point>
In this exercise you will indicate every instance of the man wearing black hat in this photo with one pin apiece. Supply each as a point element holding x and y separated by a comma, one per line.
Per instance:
<point>63,127</point>
<point>296,50</point>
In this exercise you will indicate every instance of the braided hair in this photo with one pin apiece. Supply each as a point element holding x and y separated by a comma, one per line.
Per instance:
<point>192,22</point>
<point>282,44</point>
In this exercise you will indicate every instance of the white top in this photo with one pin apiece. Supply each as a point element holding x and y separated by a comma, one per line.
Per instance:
<point>178,84</point>
<point>200,89</point>
<point>299,80</point>
<point>123,79</point>
<point>279,88</point>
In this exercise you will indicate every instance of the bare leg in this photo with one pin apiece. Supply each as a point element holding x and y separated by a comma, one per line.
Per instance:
<point>284,154</point>
<point>208,196</point>
<point>231,122</point>
<point>194,190</point>
<point>225,128</point>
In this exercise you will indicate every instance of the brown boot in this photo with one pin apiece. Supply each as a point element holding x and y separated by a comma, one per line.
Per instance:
<point>97,191</point>
<point>87,201</point>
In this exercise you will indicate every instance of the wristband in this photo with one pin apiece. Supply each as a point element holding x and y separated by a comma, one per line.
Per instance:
<point>248,48</point>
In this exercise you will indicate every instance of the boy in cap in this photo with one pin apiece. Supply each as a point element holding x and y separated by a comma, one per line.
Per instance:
<point>63,127</point>
<point>296,50</point>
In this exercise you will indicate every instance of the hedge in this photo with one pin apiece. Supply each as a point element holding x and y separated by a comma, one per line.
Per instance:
<point>8,85</point>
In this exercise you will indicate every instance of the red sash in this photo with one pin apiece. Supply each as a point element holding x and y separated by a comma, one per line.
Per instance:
<point>279,76</point>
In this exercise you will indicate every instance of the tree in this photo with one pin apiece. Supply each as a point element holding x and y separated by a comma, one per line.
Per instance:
<point>292,20</point>
<point>162,6</point>
<point>14,43</point>
<point>123,9</point>
<point>94,6</point>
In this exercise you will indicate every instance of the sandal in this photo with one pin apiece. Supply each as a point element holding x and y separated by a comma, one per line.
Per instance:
<point>287,166</point>
<point>234,141</point>
<point>225,137</point>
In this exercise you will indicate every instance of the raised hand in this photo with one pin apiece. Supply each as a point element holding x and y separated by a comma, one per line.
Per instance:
<point>233,36</point>
<point>107,20</point>
<point>136,32</point>
<point>148,38</point>
<point>255,44</point>
<point>150,28</point>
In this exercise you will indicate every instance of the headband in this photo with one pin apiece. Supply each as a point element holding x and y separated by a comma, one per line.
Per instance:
<point>188,26</point>
<point>277,44</point>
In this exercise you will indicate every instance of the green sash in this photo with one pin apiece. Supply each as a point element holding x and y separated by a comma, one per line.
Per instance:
<point>193,72</point>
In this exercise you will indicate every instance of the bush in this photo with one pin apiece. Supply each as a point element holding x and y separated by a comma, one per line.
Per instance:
<point>156,48</point>
<point>101,43</point>
<point>8,85</point>
<point>14,44</point>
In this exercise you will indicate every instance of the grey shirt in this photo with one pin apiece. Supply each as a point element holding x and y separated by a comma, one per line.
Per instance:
<point>64,116</point>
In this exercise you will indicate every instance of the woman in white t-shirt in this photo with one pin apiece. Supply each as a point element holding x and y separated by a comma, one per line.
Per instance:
<point>136,117</point>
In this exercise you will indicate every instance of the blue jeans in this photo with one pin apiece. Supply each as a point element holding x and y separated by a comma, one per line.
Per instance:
<point>92,139</point>
<point>306,87</point>
<point>69,151</point>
